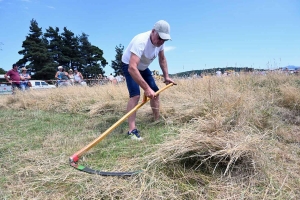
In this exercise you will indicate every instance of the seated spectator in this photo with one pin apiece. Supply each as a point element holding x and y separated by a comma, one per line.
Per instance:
<point>24,79</point>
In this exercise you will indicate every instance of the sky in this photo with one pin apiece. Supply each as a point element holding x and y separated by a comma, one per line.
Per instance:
<point>263,34</point>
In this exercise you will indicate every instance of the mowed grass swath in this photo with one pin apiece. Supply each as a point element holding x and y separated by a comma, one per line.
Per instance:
<point>220,138</point>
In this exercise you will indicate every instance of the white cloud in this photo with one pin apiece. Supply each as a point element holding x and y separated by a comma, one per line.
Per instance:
<point>169,48</point>
<point>51,7</point>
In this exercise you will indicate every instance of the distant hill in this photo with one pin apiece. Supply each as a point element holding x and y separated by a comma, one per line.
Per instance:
<point>291,67</point>
<point>213,71</point>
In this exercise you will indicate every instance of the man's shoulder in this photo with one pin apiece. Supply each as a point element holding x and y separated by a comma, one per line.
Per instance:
<point>142,37</point>
<point>144,34</point>
<point>140,41</point>
<point>12,72</point>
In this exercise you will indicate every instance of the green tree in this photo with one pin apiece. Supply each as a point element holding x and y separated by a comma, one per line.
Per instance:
<point>55,44</point>
<point>42,53</point>
<point>35,52</point>
<point>47,73</point>
<point>91,57</point>
<point>117,63</point>
<point>2,71</point>
<point>70,50</point>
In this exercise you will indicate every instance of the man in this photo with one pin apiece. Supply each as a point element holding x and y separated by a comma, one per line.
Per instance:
<point>137,57</point>
<point>14,77</point>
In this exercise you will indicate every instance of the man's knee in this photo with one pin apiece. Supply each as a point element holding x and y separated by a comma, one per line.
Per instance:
<point>135,98</point>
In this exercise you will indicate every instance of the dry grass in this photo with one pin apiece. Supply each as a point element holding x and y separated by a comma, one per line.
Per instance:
<point>223,138</point>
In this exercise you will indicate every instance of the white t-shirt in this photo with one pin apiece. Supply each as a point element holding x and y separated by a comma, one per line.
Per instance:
<point>142,46</point>
<point>119,78</point>
<point>111,77</point>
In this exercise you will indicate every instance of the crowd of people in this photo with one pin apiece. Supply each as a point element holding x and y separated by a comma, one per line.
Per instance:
<point>70,77</point>
<point>21,80</point>
<point>17,80</point>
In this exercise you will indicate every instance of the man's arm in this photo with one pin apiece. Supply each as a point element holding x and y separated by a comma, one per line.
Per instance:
<point>6,77</point>
<point>135,74</point>
<point>164,67</point>
<point>163,63</point>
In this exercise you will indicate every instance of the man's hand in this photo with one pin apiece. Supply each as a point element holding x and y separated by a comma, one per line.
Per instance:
<point>168,81</point>
<point>150,93</point>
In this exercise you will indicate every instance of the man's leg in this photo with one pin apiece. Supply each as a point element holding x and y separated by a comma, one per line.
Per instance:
<point>133,101</point>
<point>154,103</point>
<point>134,94</point>
<point>15,87</point>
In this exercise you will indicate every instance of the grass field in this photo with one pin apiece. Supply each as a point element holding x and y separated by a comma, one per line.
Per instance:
<point>219,138</point>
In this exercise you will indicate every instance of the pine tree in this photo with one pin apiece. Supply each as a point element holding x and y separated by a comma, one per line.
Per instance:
<point>2,71</point>
<point>43,53</point>
<point>91,57</point>
<point>117,63</point>
<point>35,52</point>
<point>70,50</point>
<point>55,44</point>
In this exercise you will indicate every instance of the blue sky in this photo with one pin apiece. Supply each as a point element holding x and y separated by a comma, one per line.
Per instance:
<point>205,33</point>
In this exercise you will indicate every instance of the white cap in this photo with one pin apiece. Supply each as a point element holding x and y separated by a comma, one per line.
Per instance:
<point>163,29</point>
<point>60,67</point>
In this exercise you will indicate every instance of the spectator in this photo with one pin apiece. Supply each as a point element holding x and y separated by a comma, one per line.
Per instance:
<point>14,78</point>
<point>71,76</point>
<point>100,79</point>
<point>24,79</point>
<point>119,78</point>
<point>218,73</point>
<point>112,79</point>
<point>78,78</point>
<point>62,77</point>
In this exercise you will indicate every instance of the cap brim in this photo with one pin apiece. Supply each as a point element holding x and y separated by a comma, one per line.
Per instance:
<point>164,36</point>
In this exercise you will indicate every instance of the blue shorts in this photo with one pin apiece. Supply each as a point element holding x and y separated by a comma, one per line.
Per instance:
<point>133,87</point>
